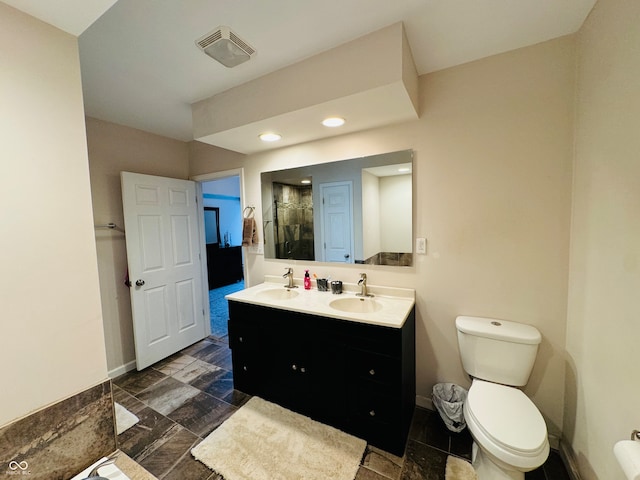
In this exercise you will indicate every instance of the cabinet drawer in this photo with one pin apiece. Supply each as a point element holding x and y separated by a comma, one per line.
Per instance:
<point>374,367</point>
<point>373,407</point>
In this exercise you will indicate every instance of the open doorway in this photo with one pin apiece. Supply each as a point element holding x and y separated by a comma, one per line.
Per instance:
<point>223,241</point>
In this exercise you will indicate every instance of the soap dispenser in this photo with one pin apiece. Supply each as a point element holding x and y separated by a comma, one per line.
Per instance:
<point>307,280</point>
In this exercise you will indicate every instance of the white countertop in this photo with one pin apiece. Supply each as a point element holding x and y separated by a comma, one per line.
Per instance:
<point>396,303</point>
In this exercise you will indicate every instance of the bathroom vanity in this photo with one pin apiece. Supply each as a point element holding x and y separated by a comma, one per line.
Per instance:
<point>347,363</point>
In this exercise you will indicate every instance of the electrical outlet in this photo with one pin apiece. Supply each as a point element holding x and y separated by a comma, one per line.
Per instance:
<point>421,246</point>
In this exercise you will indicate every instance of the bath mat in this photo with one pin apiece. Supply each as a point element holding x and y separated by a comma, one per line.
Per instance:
<point>263,441</point>
<point>459,469</point>
<point>124,418</point>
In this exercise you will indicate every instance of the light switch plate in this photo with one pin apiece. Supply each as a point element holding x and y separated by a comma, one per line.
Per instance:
<point>421,246</point>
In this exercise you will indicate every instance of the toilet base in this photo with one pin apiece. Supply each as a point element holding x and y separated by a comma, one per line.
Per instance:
<point>486,469</point>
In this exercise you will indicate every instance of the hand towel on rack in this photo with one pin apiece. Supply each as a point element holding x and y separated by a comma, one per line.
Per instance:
<point>249,232</point>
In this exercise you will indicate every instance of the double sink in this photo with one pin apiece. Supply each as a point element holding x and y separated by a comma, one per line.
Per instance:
<point>344,304</point>
<point>388,306</point>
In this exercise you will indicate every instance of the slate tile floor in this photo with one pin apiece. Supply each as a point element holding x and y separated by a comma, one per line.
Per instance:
<point>182,399</point>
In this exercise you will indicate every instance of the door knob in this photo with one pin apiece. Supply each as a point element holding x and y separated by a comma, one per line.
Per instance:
<point>139,283</point>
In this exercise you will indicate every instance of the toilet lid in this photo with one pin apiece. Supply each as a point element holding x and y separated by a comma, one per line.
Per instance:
<point>507,416</point>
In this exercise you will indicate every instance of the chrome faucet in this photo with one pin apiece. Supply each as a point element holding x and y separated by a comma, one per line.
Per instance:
<point>363,284</point>
<point>289,276</point>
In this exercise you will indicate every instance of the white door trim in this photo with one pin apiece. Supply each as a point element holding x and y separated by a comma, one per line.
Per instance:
<point>205,177</point>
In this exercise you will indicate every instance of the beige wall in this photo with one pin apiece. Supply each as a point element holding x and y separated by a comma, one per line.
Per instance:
<point>52,340</point>
<point>603,382</point>
<point>492,170</point>
<point>112,149</point>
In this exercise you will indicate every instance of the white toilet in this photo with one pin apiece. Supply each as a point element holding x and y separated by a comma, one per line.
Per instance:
<point>509,433</point>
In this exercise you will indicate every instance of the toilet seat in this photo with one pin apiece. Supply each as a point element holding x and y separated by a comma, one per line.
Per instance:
<point>507,424</point>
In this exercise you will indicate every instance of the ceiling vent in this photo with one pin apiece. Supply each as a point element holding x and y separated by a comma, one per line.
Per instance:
<point>226,47</point>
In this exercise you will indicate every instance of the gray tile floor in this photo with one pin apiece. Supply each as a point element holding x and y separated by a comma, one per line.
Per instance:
<point>182,399</point>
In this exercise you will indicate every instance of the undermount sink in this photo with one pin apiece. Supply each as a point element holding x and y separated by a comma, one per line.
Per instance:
<point>356,305</point>
<point>277,294</point>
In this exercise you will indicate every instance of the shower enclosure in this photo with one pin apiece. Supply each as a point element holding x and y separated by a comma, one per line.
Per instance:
<point>293,221</point>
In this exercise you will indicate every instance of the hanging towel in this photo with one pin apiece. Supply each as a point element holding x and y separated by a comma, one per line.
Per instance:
<point>249,229</point>
<point>249,232</point>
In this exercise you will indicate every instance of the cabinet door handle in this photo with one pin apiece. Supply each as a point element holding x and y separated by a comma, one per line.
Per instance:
<point>372,413</point>
<point>372,372</point>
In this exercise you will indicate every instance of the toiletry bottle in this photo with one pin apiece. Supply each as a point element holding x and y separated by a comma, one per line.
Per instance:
<point>307,280</point>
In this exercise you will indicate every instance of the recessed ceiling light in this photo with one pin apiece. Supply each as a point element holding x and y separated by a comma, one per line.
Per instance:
<point>404,170</point>
<point>270,137</point>
<point>306,181</point>
<point>333,122</point>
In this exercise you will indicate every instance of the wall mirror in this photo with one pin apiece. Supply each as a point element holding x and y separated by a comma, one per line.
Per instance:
<point>212,226</point>
<point>355,211</point>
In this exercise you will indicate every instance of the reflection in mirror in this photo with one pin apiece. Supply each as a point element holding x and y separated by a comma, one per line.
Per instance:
<point>352,211</point>
<point>212,225</point>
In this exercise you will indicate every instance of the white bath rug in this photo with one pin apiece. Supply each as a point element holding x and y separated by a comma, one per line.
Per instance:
<point>459,469</point>
<point>124,418</point>
<point>263,441</point>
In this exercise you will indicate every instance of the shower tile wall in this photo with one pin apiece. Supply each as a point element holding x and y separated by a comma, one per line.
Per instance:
<point>294,221</point>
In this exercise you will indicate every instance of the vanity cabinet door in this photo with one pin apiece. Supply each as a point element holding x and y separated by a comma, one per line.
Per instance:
<point>249,351</point>
<point>275,346</point>
<point>289,381</point>
<point>328,385</point>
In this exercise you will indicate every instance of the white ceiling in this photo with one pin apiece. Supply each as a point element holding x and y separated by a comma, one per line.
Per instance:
<point>141,67</point>
<point>72,16</point>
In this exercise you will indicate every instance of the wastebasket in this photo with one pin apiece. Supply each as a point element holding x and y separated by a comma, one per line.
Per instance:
<point>449,399</point>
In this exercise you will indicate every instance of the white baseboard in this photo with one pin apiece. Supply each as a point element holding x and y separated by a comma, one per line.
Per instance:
<point>568,458</point>
<point>424,402</point>
<point>121,370</point>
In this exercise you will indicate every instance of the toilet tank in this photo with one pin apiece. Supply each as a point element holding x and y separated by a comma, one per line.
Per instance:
<point>498,351</point>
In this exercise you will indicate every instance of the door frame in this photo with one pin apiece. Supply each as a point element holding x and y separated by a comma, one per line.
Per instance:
<point>200,179</point>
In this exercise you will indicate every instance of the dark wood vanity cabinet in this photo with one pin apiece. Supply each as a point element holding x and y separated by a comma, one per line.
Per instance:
<point>357,377</point>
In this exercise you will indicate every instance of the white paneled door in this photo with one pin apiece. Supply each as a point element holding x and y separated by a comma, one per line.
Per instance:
<point>337,222</point>
<point>163,252</point>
